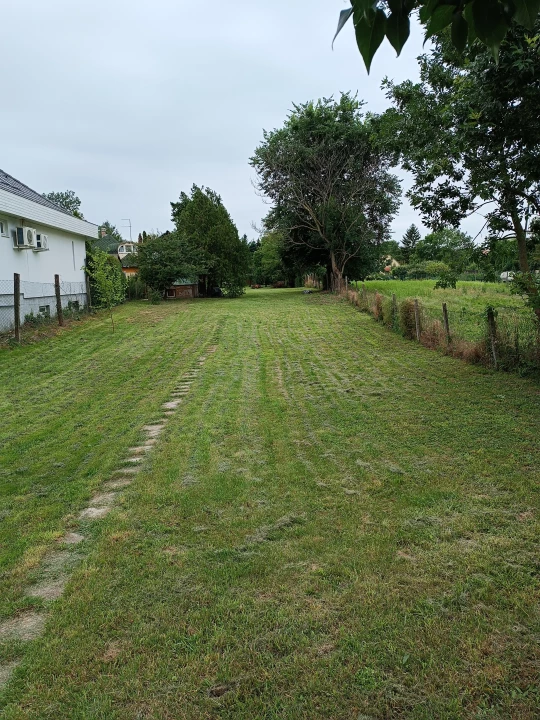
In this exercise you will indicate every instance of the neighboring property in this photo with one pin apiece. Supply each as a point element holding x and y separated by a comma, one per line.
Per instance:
<point>39,240</point>
<point>126,252</point>
<point>185,288</point>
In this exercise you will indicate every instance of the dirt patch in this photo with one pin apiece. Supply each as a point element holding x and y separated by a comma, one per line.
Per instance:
<point>48,590</point>
<point>117,484</point>
<point>26,627</point>
<point>93,513</point>
<point>6,671</point>
<point>72,538</point>
<point>104,499</point>
<point>140,449</point>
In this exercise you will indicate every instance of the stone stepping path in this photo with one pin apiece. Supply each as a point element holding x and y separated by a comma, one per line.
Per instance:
<point>30,625</point>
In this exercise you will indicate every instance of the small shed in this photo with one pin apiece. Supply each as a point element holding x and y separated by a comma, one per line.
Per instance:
<point>184,288</point>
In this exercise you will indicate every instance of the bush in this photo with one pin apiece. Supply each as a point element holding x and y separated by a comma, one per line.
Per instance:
<point>135,288</point>
<point>378,307</point>
<point>400,273</point>
<point>387,313</point>
<point>407,320</point>
<point>428,269</point>
<point>154,296</point>
<point>446,280</point>
<point>233,289</point>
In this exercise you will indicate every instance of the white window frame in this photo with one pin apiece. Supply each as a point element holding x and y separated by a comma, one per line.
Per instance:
<point>4,231</point>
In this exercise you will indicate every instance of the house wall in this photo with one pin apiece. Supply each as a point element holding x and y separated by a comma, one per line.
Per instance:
<point>65,257</point>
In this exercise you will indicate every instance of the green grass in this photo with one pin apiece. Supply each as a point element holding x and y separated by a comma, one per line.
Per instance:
<point>337,523</point>
<point>474,296</point>
<point>466,305</point>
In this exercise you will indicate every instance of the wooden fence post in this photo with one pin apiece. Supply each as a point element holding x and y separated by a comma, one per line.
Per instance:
<point>492,328</point>
<point>394,309</point>
<point>17,305</point>
<point>364,293</point>
<point>59,312</point>
<point>347,286</point>
<point>446,323</point>
<point>417,319</point>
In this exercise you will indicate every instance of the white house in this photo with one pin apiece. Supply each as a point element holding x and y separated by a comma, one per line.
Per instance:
<point>39,240</point>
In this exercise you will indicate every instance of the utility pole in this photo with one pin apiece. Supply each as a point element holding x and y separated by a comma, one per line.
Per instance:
<point>128,221</point>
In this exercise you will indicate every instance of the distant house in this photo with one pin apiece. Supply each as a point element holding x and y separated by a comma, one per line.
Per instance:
<point>186,288</point>
<point>39,240</point>
<point>126,252</point>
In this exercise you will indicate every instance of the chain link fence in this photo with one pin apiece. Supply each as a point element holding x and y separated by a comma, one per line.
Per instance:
<point>503,337</point>
<point>37,302</point>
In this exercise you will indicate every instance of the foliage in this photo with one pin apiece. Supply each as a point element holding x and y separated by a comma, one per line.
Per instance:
<point>109,233</point>
<point>427,269</point>
<point>522,284</point>
<point>470,134</point>
<point>108,282</point>
<point>135,288</point>
<point>409,242</point>
<point>223,258</point>
<point>166,259</point>
<point>66,200</point>
<point>453,247</point>
<point>489,21</point>
<point>446,280</point>
<point>331,192</point>
<point>400,272</point>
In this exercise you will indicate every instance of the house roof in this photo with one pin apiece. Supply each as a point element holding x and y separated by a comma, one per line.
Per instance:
<point>13,186</point>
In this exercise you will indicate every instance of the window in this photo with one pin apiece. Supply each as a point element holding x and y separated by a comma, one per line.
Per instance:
<point>121,249</point>
<point>4,227</point>
<point>45,310</point>
<point>171,293</point>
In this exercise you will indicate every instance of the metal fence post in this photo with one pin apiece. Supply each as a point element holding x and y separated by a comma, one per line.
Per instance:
<point>59,312</point>
<point>17,305</point>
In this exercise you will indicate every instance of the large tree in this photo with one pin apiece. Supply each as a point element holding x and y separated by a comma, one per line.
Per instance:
<point>470,134</point>
<point>165,259</point>
<point>330,187</point>
<point>202,218</point>
<point>66,200</point>
<point>469,20</point>
<point>409,241</point>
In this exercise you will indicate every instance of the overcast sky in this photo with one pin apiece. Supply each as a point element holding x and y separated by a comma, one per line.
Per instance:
<point>130,102</point>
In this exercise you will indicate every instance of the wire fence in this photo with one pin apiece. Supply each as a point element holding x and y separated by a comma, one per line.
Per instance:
<point>38,303</point>
<point>504,338</point>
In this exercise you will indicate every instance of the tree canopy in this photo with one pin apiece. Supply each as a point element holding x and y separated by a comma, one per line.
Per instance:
<point>204,221</point>
<point>488,21</point>
<point>330,188</point>
<point>164,260</point>
<point>470,134</point>
<point>66,200</point>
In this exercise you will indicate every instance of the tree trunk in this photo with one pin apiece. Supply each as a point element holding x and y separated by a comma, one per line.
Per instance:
<point>521,238</point>
<point>524,266</point>
<point>337,273</point>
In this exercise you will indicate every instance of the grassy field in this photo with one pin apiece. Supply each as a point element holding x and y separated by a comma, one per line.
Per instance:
<point>336,523</point>
<point>473,296</point>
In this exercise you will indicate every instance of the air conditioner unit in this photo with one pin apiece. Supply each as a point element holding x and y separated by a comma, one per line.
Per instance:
<point>26,238</point>
<point>42,243</point>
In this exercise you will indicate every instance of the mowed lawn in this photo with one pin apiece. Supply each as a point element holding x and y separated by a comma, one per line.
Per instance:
<point>336,522</point>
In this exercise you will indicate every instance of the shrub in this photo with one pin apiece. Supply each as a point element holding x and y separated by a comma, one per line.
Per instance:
<point>407,321</point>
<point>387,312</point>
<point>446,280</point>
<point>378,307</point>
<point>400,273</point>
<point>154,296</point>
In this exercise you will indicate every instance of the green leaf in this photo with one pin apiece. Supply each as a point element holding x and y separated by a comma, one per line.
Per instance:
<point>526,12</point>
<point>489,24</point>
<point>344,15</point>
<point>470,22</point>
<point>440,18</point>
<point>362,8</point>
<point>460,32</point>
<point>398,28</point>
<point>427,10</point>
<point>370,31</point>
